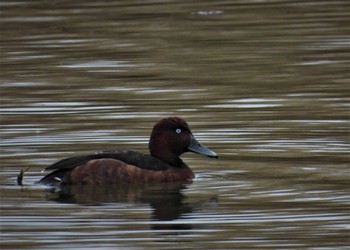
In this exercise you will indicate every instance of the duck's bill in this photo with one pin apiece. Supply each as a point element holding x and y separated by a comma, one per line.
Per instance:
<point>196,147</point>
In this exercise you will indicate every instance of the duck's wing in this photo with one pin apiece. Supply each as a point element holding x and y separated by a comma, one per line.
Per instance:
<point>72,162</point>
<point>129,157</point>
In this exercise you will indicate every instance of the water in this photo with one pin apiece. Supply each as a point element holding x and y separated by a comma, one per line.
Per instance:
<point>265,84</point>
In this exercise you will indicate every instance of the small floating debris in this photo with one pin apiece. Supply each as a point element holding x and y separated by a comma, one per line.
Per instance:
<point>20,176</point>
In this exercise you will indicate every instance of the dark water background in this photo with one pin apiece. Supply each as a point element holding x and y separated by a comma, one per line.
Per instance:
<point>263,83</point>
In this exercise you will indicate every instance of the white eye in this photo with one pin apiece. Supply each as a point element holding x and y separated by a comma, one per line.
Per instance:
<point>178,130</point>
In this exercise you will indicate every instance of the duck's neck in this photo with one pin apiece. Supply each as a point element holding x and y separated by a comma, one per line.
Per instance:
<point>163,150</point>
<point>161,153</point>
<point>177,162</point>
<point>171,159</point>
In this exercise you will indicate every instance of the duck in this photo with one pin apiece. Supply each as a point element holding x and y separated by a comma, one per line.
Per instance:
<point>170,138</point>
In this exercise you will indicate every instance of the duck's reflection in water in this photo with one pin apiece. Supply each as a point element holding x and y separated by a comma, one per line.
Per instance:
<point>165,199</point>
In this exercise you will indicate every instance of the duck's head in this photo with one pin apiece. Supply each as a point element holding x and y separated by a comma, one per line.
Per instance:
<point>172,137</point>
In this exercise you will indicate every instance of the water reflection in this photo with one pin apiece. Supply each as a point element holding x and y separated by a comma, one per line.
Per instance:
<point>166,199</point>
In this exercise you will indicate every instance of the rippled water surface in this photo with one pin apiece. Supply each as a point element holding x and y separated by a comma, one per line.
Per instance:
<point>265,84</point>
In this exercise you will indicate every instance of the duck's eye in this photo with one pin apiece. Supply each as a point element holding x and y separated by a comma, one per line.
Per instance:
<point>178,130</point>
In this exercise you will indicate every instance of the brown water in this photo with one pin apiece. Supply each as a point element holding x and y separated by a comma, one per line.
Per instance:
<point>263,83</point>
